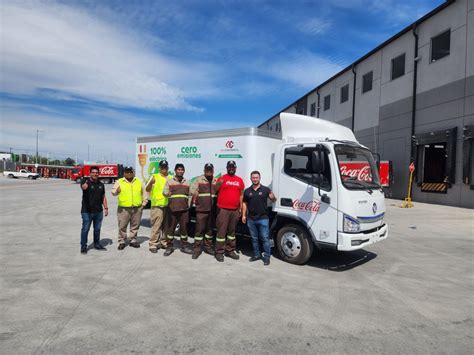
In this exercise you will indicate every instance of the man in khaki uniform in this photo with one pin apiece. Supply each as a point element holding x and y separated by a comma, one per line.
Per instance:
<point>131,200</point>
<point>203,191</point>
<point>177,189</point>
<point>159,208</point>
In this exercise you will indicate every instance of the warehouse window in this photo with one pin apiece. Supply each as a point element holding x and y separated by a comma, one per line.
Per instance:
<point>398,66</point>
<point>327,102</point>
<point>367,81</point>
<point>344,93</point>
<point>313,109</point>
<point>440,45</point>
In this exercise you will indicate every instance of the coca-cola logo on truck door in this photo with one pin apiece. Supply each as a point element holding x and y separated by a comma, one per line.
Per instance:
<point>307,206</point>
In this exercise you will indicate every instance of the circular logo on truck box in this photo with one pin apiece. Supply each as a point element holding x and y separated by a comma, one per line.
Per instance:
<point>374,208</point>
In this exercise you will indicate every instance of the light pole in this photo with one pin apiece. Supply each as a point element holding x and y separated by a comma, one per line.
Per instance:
<point>37,131</point>
<point>88,148</point>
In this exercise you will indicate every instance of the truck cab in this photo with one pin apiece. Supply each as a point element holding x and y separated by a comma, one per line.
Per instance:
<point>318,205</point>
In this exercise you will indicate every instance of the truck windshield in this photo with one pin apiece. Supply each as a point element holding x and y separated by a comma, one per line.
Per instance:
<point>357,167</point>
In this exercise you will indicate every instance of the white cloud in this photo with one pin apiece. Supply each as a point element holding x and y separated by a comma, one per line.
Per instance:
<point>62,51</point>
<point>314,26</point>
<point>305,70</point>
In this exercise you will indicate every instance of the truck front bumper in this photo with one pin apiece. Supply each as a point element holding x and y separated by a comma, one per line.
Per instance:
<point>355,241</point>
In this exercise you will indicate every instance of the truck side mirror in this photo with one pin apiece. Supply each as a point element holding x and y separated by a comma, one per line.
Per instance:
<point>317,161</point>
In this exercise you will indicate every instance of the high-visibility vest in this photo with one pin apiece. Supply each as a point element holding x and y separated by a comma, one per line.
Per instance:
<point>157,198</point>
<point>130,193</point>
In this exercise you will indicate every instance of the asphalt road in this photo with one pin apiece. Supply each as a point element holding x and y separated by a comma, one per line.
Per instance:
<point>412,293</point>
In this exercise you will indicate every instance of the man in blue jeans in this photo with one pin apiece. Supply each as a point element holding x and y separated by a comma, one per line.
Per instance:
<point>93,198</point>
<point>255,214</point>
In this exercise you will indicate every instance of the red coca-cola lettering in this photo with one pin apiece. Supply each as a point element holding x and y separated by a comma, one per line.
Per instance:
<point>107,170</point>
<point>360,171</point>
<point>309,206</point>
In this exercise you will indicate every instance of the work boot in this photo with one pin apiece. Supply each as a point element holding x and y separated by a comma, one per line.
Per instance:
<point>168,252</point>
<point>84,250</point>
<point>121,246</point>
<point>220,257</point>
<point>134,245</point>
<point>254,258</point>
<point>98,246</point>
<point>153,250</point>
<point>196,254</point>
<point>185,250</point>
<point>232,255</point>
<point>266,262</point>
<point>210,251</point>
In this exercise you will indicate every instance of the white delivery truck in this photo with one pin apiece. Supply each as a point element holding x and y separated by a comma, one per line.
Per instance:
<point>317,204</point>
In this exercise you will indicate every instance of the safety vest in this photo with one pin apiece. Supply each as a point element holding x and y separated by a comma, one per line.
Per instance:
<point>130,193</point>
<point>157,198</point>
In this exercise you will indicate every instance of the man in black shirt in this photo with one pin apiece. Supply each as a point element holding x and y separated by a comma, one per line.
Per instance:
<point>93,198</point>
<point>255,214</point>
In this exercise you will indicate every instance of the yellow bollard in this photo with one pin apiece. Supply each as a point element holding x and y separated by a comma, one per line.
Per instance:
<point>407,202</point>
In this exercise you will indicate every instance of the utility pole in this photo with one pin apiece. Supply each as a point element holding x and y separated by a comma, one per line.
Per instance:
<point>37,131</point>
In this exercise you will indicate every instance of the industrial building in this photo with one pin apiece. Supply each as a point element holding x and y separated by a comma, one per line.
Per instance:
<point>411,99</point>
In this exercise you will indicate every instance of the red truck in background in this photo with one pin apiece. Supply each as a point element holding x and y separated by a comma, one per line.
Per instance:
<point>108,173</point>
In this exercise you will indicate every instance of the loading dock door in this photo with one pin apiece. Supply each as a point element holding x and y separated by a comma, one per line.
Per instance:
<point>435,162</point>
<point>436,158</point>
<point>434,173</point>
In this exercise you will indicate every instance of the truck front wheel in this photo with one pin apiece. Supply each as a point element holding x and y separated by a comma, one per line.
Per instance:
<point>294,244</point>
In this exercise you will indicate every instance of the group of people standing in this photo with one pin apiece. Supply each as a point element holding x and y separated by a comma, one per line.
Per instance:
<point>219,203</point>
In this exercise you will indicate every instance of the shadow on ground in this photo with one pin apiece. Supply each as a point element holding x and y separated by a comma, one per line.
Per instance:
<point>340,261</point>
<point>145,222</point>
<point>322,259</point>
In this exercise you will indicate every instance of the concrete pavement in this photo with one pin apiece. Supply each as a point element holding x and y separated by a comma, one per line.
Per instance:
<point>412,293</point>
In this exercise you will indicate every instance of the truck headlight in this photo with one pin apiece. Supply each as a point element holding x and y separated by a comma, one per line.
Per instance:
<point>351,225</point>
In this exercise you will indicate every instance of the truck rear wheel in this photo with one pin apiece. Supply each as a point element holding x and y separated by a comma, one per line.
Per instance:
<point>11,176</point>
<point>294,244</point>
<point>78,180</point>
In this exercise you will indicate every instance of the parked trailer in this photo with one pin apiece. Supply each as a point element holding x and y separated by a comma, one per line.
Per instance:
<point>319,204</point>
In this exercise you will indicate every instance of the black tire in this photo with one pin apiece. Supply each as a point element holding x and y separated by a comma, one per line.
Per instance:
<point>294,244</point>
<point>11,176</point>
<point>78,180</point>
<point>31,177</point>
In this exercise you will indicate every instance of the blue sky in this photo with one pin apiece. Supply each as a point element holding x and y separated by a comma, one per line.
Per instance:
<point>101,73</point>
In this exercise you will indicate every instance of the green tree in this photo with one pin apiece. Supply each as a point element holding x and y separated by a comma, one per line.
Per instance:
<point>69,162</point>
